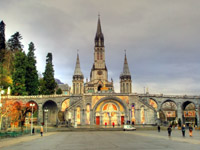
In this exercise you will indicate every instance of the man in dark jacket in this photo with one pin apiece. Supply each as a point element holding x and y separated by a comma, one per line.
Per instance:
<point>183,130</point>
<point>169,129</point>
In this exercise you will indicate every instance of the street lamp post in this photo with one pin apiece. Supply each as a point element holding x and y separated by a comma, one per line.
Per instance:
<point>46,111</point>
<point>32,105</point>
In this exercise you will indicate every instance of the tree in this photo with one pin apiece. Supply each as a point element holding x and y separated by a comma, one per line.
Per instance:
<point>14,42</point>
<point>19,74</point>
<point>59,91</point>
<point>2,41</point>
<point>2,49</point>
<point>49,83</point>
<point>31,72</point>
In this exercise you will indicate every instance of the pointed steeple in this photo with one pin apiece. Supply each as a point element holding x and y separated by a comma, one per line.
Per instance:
<point>77,71</point>
<point>99,38</point>
<point>125,78</point>
<point>126,71</point>
<point>99,26</point>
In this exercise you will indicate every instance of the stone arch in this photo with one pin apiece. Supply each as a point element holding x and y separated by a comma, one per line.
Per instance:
<point>52,115</point>
<point>120,117</point>
<point>189,113</point>
<point>168,100</point>
<point>107,102</point>
<point>29,112</point>
<point>111,98</point>
<point>63,114</point>
<point>88,113</point>
<point>169,113</point>
<point>65,104</point>
<point>186,103</point>
<point>154,103</point>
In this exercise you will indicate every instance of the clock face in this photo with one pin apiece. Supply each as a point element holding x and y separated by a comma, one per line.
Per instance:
<point>99,72</point>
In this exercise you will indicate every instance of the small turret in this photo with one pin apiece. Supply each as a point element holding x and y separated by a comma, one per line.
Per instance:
<point>125,78</point>
<point>78,78</point>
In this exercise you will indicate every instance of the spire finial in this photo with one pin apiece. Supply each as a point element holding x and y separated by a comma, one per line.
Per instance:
<point>77,51</point>
<point>99,15</point>
<point>125,51</point>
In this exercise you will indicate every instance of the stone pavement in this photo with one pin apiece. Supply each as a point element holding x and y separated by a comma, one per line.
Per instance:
<point>16,140</point>
<point>105,140</point>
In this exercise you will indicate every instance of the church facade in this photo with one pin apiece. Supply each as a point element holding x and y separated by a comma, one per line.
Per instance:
<point>100,105</point>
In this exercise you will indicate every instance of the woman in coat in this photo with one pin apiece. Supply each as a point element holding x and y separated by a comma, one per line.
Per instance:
<point>190,130</point>
<point>41,130</point>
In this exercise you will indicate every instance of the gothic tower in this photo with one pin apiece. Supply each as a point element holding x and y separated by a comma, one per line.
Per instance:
<point>78,85</point>
<point>99,74</point>
<point>125,79</point>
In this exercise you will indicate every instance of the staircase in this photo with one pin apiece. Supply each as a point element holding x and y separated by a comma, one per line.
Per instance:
<point>147,104</point>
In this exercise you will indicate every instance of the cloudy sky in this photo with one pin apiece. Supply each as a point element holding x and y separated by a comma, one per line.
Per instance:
<point>162,38</point>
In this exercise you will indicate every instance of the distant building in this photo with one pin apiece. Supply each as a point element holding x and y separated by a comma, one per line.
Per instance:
<point>65,88</point>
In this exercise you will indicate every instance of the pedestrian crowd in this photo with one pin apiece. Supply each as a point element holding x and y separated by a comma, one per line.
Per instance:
<point>183,128</point>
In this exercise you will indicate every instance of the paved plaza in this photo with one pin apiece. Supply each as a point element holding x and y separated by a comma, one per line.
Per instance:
<point>104,140</point>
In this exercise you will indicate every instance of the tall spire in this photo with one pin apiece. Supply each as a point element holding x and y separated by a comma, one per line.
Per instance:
<point>77,70</point>
<point>99,38</point>
<point>99,26</point>
<point>126,71</point>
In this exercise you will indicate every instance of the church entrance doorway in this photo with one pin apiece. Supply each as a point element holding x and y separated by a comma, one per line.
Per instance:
<point>97,120</point>
<point>109,112</point>
<point>122,120</point>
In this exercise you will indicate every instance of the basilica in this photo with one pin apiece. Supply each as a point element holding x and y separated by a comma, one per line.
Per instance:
<point>98,104</point>
<point>95,102</point>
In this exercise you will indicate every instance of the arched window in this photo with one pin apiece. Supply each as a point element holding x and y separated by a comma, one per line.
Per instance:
<point>88,114</point>
<point>101,56</point>
<point>123,88</point>
<point>77,88</point>
<point>78,115</point>
<point>97,55</point>
<point>142,114</point>
<point>65,105</point>
<point>127,88</point>
<point>133,113</point>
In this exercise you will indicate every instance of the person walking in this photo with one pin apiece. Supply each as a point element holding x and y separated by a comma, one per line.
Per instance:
<point>190,130</point>
<point>158,128</point>
<point>41,130</point>
<point>183,130</point>
<point>169,129</point>
<point>113,124</point>
<point>105,124</point>
<point>33,130</point>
